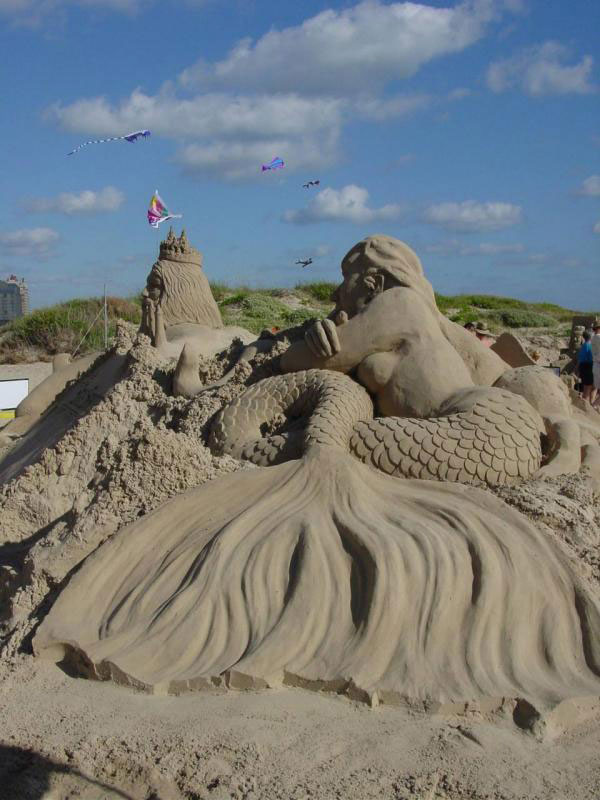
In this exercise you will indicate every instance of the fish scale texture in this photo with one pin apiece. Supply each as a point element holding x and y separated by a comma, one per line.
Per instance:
<point>496,442</point>
<point>483,435</point>
<point>325,406</point>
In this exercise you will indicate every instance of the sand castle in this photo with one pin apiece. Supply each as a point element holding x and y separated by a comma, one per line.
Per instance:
<point>178,306</point>
<point>177,309</point>
<point>336,566</point>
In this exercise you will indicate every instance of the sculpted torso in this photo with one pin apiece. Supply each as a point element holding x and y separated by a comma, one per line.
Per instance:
<point>390,341</point>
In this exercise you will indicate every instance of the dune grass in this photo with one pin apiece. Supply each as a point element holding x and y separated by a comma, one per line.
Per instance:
<point>503,312</point>
<point>60,328</point>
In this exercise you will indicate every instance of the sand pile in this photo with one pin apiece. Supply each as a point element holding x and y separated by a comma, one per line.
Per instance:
<point>122,457</point>
<point>124,452</point>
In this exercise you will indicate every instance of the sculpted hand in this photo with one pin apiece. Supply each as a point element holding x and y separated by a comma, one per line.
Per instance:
<point>160,336</point>
<point>322,338</point>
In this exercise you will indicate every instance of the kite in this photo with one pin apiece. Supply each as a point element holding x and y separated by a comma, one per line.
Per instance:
<point>305,263</point>
<point>311,183</point>
<point>277,163</point>
<point>131,137</point>
<point>158,212</point>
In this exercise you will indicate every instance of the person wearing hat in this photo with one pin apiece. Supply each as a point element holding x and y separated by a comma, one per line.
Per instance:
<point>484,334</point>
<point>595,345</point>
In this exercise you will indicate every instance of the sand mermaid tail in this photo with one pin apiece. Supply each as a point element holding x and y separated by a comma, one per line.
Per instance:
<point>482,435</point>
<point>324,572</point>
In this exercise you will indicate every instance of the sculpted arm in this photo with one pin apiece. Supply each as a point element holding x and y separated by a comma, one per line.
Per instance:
<point>374,329</point>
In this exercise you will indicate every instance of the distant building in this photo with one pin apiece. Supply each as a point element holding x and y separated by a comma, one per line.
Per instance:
<point>14,299</point>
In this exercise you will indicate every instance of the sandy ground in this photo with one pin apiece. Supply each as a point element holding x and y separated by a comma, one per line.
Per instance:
<point>64,737</point>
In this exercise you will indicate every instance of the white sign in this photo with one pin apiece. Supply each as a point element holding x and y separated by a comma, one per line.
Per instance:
<point>12,392</point>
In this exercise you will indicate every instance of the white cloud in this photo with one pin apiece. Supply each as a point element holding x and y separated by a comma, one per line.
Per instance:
<point>455,247</point>
<point>591,186</point>
<point>597,227</point>
<point>206,115</point>
<point>350,50</point>
<point>30,13</point>
<point>348,204</point>
<point>289,92</point>
<point>540,70</point>
<point>29,241</point>
<point>242,160</point>
<point>400,106</point>
<point>471,216</point>
<point>233,134</point>
<point>85,202</point>
<point>458,94</point>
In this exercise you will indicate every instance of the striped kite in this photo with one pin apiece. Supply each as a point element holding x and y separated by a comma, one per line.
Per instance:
<point>277,163</point>
<point>130,137</point>
<point>158,212</point>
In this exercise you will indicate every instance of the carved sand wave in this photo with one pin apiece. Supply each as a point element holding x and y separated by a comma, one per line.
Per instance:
<point>327,573</point>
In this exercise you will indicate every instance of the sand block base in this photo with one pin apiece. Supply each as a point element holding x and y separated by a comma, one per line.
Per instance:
<point>545,724</point>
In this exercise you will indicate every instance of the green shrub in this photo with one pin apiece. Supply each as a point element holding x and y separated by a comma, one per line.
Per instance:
<point>220,291</point>
<point>234,299</point>
<point>525,319</point>
<point>259,310</point>
<point>61,328</point>
<point>320,290</point>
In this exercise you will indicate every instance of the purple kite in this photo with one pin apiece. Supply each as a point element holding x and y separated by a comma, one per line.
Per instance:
<point>158,212</point>
<point>130,137</point>
<point>277,163</point>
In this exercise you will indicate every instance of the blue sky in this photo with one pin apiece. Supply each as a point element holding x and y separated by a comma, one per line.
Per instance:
<point>470,130</point>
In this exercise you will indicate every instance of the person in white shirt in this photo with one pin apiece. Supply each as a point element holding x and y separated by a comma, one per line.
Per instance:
<point>595,342</point>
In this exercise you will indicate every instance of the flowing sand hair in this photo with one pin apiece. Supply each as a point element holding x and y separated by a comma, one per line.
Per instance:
<point>398,263</point>
<point>186,295</point>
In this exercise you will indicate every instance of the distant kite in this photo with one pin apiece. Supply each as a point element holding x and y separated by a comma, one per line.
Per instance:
<point>305,263</point>
<point>277,163</point>
<point>131,137</point>
<point>311,183</point>
<point>158,212</point>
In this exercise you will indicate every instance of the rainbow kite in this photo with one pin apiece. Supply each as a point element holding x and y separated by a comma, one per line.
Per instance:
<point>130,137</point>
<point>158,212</point>
<point>277,163</point>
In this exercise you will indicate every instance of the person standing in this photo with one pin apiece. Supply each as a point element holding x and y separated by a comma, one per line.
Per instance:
<point>595,345</point>
<point>585,369</point>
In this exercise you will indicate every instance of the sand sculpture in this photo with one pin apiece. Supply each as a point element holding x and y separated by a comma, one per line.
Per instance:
<point>29,410</point>
<point>511,350</point>
<point>437,415</point>
<point>178,313</point>
<point>178,306</point>
<point>325,572</point>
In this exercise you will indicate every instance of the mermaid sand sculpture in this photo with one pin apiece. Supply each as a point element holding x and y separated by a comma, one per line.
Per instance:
<point>439,417</point>
<point>325,572</point>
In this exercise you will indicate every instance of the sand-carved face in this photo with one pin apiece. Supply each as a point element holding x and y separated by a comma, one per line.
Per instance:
<point>154,284</point>
<point>375,264</point>
<point>354,293</point>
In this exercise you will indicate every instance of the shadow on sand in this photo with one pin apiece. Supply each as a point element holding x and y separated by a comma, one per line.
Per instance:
<point>27,775</point>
